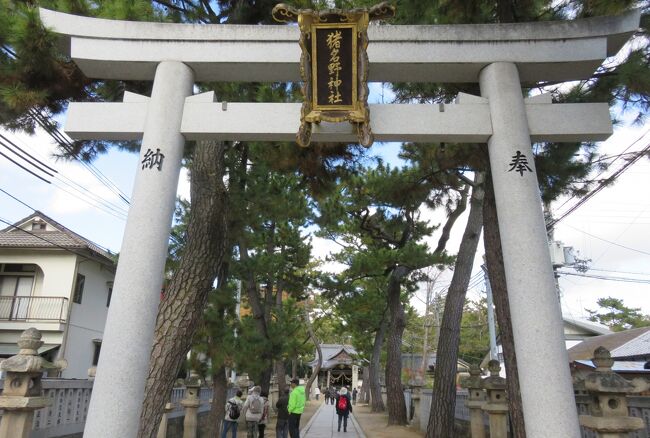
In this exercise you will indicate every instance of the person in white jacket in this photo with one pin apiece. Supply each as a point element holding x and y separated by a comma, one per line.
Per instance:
<point>253,410</point>
<point>233,412</point>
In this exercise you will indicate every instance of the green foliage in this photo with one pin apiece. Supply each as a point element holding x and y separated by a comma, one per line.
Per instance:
<point>617,316</point>
<point>474,339</point>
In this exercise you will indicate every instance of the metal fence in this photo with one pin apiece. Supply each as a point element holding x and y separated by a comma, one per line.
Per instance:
<point>33,309</point>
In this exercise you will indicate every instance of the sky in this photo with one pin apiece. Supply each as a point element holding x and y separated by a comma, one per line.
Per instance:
<point>611,229</point>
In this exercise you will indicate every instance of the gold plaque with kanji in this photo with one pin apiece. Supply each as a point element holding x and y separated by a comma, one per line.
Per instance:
<point>334,66</point>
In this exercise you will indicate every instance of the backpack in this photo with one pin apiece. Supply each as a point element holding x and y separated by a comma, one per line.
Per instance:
<point>233,410</point>
<point>343,403</point>
<point>256,405</point>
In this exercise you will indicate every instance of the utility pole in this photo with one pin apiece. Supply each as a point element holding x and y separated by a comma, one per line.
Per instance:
<point>494,352</point>
<point>233,372</point>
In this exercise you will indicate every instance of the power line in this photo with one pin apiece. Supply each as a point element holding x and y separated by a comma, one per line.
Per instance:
<point>16,199</point>
<point>67,145</point>
<point>25,156</point>
<point>84,194</point>
<point>619,272</point>
<point>635,157</point>
<point>600,186</point>
<point>604,277</point>
<point>24,168</point>
<point>609,241</point>
<point>33,161</point>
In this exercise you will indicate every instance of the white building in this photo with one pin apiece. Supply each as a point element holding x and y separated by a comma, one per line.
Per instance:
<point>55,280</point>
<point>575,331</point>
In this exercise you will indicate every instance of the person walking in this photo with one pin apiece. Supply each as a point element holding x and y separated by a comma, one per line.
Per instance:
<point>261,426</point>
<point>326,395</point>
<point>354,396</point>
<point>343,408</point>
<point>233,411</point>
<point>295,407</point>
<point>282,424</point>
<point>252,411</point>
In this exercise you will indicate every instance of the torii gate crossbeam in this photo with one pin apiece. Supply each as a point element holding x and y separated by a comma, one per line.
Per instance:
<point>499,57</point>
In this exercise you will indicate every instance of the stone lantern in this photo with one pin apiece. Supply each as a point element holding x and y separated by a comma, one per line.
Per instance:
<point>191,403</point>
<point>23,389</point>
<point>476,401</point>
<point>496,405</point>
<point>608,407</point>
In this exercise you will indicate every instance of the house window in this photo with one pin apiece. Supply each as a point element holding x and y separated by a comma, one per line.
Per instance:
<point>97,350</point>
<point>79,289</point>
<point>15,292</point>
<point>38,226</point>
<point>110,294</point>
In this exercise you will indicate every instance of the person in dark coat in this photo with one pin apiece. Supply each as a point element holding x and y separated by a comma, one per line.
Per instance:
<point>343,407</point>
<point>282,425</point>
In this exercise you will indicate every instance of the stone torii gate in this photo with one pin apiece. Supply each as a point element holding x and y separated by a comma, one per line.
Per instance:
<point>499,57</point>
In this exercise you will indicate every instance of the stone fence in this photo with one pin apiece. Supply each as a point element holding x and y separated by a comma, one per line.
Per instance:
<point>605,402</point>
<point>638,406</point>
<point>66,415</point>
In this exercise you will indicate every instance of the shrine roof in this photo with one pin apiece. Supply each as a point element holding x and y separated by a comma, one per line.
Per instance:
<point>335,354</point>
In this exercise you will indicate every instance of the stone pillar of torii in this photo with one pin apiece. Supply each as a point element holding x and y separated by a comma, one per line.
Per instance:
<point>499,57</point>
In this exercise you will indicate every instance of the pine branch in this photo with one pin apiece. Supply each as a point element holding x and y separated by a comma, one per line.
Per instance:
<point>451,219</point>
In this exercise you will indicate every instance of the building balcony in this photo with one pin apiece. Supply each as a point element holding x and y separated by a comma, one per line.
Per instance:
<point>33,309</point>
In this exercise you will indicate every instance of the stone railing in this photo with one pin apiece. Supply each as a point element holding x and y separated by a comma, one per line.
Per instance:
<point>605,401</point>
<point>638,406</point>
<point>44,408</point>
<point>70,398</point>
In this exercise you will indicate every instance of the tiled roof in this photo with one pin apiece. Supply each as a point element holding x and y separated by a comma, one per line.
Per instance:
<point>587,325</point>
<point>639,346</point>
<point>621,366</point>
<point>620,344</point>
<point>329,351</point>
<point>15,237</point>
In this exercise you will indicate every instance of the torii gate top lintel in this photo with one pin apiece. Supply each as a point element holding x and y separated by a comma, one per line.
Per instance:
<point>564,50</point>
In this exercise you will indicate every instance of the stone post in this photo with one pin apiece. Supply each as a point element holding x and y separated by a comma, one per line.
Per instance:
<point>546,390</point>
<point>608,408</point>
<point>118,390</point>
<point>329,377</point>
<point>355,377</point>
<point>162,429</point>
<point>496,405</point>
<point>23,391</point>
<point>416,395</point>
<point>476,401</point>
<point>191,403</point>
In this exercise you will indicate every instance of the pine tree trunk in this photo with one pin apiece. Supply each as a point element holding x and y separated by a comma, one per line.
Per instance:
<point>319,354</point>
<point>375,385</point>
<point>496,272</point>
<point>218,406</point>
<point>443,402</point>
<point>394,389</point>
<point>280,373</point>
<point>265,378</point>
<point>182,307</point>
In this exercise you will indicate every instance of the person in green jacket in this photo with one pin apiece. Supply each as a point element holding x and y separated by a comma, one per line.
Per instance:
<point>295,407</point>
